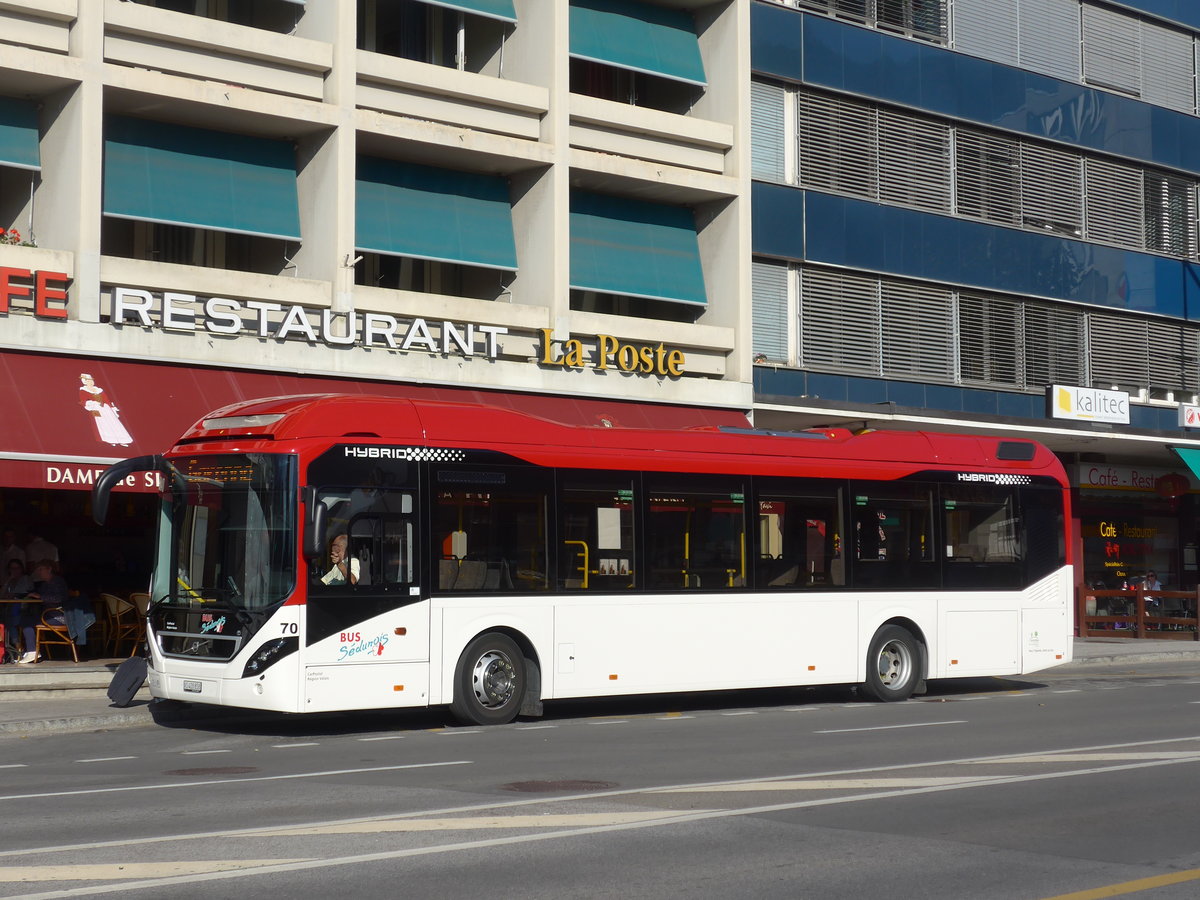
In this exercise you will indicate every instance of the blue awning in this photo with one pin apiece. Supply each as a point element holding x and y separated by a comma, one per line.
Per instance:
<point>19,134</point>
<point>635,249</point>
<point>403,209</point>
<point>493,9</point>
<point>637,36</point>
<point>179,175</point>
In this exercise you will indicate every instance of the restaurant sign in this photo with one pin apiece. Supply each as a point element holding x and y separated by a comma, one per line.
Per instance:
<point>176,311</point>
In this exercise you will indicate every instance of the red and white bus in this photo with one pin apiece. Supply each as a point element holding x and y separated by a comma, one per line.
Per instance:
<point>334,552</point>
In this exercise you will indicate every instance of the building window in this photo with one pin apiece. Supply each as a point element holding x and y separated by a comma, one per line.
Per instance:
<point>633,52</point>
<point>1170,215</point>
<point>269,15</point>
<point>404,273</point>
<point>187,246</point>
<point>434,34</point>
<point>923,19</point>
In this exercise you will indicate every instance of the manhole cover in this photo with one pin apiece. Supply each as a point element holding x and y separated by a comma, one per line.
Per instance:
<point>544,787</point>
<point>215,770</point>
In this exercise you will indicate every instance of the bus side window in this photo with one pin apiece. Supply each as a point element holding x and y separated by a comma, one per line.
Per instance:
<point>695,533</point>
<point>982,535</point>
<point>893,535</point>
<point>491,528</point>
<point>799,542</point>
<point>375,532</point>
<point>595,533</point>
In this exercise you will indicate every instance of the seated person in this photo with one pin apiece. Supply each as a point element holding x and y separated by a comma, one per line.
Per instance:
<point>50,589</point>
<point>16,586</point>
<point>343,569</point>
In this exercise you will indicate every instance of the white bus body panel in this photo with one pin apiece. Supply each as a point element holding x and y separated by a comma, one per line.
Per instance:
<point>618,645</point>
<point>651,644</point>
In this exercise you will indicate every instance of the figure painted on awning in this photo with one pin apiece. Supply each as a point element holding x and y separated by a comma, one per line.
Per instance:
<point>105,415</point>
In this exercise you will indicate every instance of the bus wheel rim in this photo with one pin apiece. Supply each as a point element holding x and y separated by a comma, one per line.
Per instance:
<point>494,679</point>
<point>895,664</point>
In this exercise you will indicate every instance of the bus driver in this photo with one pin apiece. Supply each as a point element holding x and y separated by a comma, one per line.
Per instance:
<point>339,562</point>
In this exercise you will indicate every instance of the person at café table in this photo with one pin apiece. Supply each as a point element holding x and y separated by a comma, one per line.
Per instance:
<point>51,589</point>
<point>16,586</point>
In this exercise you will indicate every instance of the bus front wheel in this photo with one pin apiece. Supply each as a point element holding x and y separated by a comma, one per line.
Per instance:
<point>489,682</point>
<point>893,664</point>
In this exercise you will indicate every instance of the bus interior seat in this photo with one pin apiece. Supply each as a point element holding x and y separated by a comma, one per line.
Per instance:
<point>786,578</point>
<point>471,575</point>
<point>447,573</point>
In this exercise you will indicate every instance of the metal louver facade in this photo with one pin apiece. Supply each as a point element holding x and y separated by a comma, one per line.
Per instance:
<point>851,323</point>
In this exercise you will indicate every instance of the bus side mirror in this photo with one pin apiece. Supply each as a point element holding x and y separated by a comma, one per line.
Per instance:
<point>118,472</point>
<point>317,519</point>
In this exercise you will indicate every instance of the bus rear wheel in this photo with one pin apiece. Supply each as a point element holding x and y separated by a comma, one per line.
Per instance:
<point>489,681</point>
<point>893,664</point>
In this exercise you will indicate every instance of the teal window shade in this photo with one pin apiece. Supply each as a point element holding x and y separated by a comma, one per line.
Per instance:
<point>178,175</point>
<point>403,209</point>
<point>635,249</point>
<point>1190,457</point>
<point>493,9</point>
<point>637,36</point>
<point>19,134</point>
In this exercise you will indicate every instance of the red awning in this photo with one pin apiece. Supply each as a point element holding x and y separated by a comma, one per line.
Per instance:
<point>61,429</point>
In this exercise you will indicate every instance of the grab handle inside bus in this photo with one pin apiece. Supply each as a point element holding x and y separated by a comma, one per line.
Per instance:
<point>118,472</point>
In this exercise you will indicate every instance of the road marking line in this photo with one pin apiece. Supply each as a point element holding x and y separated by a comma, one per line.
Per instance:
<point>535,727</point>
<point>1089,757</point>
<point>104,759</point>
<point>826,784</point>
<point>674,717</point>
<point>610,722</point>
<point>385,737</point>
<point>1071,691</point>
<point>890,727</point>
<point>114,871</point>
<point>209,783</point>
<point>476,823</point>
<point>456,731</point>
<point>290,746</point>
<point>621,792</point>
<point>203,752</point>
<point>511,840</point>
<point>1132,887</point>
<point>14,766</point>
<point>742,712</point>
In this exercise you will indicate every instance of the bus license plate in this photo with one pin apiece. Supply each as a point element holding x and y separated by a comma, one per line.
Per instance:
<point>193,687</point>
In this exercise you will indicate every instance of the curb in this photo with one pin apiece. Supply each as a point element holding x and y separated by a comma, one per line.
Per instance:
<point>1080,662</point>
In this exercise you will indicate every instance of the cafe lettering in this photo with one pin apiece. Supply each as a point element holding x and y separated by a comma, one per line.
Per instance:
<point>43,288</point>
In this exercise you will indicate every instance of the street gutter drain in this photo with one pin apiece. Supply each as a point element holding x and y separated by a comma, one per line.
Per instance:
<point>215,770</point>
<point>544,787</point>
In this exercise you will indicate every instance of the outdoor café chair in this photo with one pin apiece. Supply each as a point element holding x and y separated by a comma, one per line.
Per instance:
<point>49,634</point>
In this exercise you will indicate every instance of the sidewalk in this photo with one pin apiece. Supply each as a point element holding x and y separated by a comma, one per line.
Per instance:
<point>65,696</point>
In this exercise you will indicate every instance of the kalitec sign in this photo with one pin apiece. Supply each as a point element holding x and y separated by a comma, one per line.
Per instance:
<point>1087,404</point>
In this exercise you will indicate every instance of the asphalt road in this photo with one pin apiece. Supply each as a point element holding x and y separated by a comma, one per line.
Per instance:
<point>1069,783</point>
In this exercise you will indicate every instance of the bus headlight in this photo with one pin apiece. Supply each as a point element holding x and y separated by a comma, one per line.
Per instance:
<point>269,654</point>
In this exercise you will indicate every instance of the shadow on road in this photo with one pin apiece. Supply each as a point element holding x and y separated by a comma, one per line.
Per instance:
<point>220,720</point>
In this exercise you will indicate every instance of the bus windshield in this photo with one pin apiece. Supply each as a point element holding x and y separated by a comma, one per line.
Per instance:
<point>228,531</point>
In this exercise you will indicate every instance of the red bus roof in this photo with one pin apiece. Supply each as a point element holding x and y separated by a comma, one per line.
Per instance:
<point>835,452</point>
